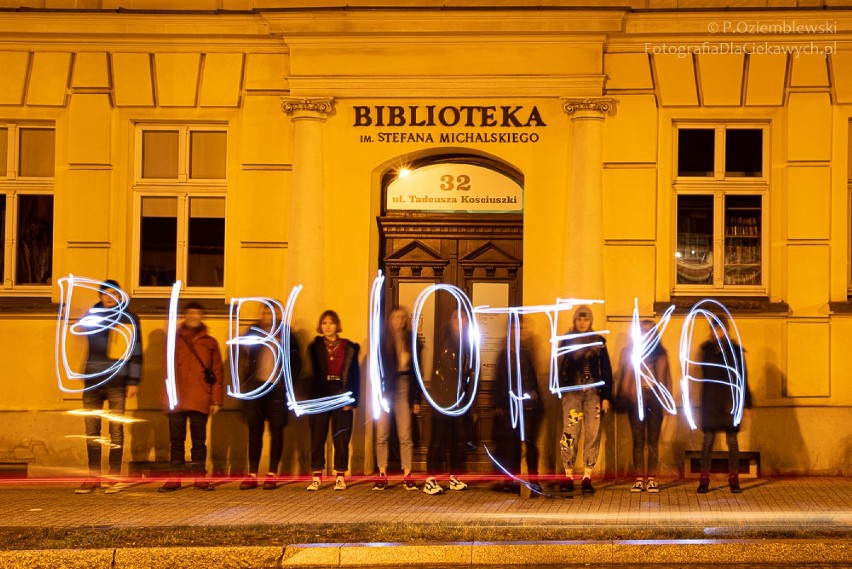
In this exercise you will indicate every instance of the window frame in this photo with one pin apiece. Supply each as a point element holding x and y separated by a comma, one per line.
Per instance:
<point>719,187</point>
<point>183,189</point>
<point>13,187</point>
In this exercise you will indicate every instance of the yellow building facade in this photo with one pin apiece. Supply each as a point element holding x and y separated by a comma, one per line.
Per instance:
<point>655,150</point>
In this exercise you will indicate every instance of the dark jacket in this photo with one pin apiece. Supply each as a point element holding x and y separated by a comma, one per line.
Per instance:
<point>250,380</point>
<point>350,378</point>
<point>444,387</point>
<point>193,391</point>
<point>716,398</point>
<point>130,372</point>
<point>390,367</point>
<point>572,369</point>
<point>529,383</point>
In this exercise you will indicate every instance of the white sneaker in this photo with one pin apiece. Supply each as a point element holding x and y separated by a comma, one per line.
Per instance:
<point>456,484</point>
<point>116,487</point>
<point>315,485</point>
<point>652,486</point>
<point>638,486</point>
<point>432,487</point>
<point>340,484</point>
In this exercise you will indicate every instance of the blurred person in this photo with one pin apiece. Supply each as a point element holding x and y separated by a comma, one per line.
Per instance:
<point>271,407</point>
<point>647,431</point>
<point>583,406</point>
<point>453,366</point>
<point>402,391</point>
<point>509,444</point>
<point>106,347</point>
<point>335,371</point>
<point>200,392</point>
<point>717,406</point>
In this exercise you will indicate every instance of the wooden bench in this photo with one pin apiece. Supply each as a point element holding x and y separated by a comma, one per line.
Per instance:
<point>749,463</point>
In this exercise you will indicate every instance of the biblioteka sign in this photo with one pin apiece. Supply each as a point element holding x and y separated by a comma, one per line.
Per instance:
<point>495,124</point>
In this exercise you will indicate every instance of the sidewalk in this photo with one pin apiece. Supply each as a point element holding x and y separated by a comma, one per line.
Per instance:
<point>773,520</point>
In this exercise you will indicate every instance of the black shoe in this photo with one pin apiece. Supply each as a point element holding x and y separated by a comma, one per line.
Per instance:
<point>88,487</point>
<point>169,486</point>
<point>270,483</point>
<point>734,484</point>
<point>204,485</point>
<point>567,485</point>
<point>703,486</point>
<point>249,483</point>
<point>586,486</point>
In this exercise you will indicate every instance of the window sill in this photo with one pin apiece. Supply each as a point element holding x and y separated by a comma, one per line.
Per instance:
<point>841,307</point>
<point>28,305</point>
<point>160,306</point>
<point>735,304</point>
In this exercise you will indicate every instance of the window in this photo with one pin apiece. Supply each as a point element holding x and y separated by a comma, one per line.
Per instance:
<point>720,193</point>
<point>180,195</point>
<point>27,158</point>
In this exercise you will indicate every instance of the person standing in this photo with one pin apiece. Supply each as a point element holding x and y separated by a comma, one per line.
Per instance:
<point>647,430</point>
<point>335,371</point>
<point>585,406</point>
<point>106,347</point>
<point>403,393</point>
<point>509,443</point>
<point>717,403</point>
<point>200,392</point>
<point>453,367</point>
<point>270,407</point>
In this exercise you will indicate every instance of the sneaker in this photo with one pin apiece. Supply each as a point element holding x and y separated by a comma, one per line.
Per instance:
<point>88,487</point>
<point>586,486</point>
<point>432,487</point>
<point>340,483</point>
<point>703,486</point>
<point>381,483</point>
<point>653,487</point>
<point>567,485</point>
<point>116,486</point>
<point>249,483</point>
<point>204,485</point>
<point>456,484</point>
<point>169,486</point>
<point>408,483</point>
<point>535,488</point>
<point>639,486</point>
<point>315,485</point>
<point>270,483</point>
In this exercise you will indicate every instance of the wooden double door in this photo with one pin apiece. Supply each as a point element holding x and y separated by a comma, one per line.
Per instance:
<point>483,256</point>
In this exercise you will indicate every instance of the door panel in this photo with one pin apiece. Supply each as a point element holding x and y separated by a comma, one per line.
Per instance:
<point>480,254</point>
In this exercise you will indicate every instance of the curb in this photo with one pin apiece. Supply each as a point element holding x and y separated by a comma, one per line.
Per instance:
<point>464,554</point>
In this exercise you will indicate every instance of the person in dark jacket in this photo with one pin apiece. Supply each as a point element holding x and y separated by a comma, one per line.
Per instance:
<point>335,371</point>
<point>270,407</point>
<point>450,385</point>
<point>584,367</point>
<point>200,392</point>
<point>717,404</point>
<point>509,443</point>
<point>402,391</point>
<point>106,348</point>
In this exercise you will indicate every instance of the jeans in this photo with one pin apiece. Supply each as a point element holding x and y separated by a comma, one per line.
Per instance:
<point>271,407</point>
<point>94,399</point>
<point>649,428</point>
<point>446,431</point>
<point>341,433</point>
<point>401,410</point>
<point>733,452</point>
<point>578,407</point>
<point>198,436</point>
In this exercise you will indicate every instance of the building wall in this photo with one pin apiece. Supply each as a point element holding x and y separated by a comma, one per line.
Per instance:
<point>234,68</point>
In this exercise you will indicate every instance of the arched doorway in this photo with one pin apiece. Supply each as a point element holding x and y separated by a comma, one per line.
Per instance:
<point>455,219</point>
